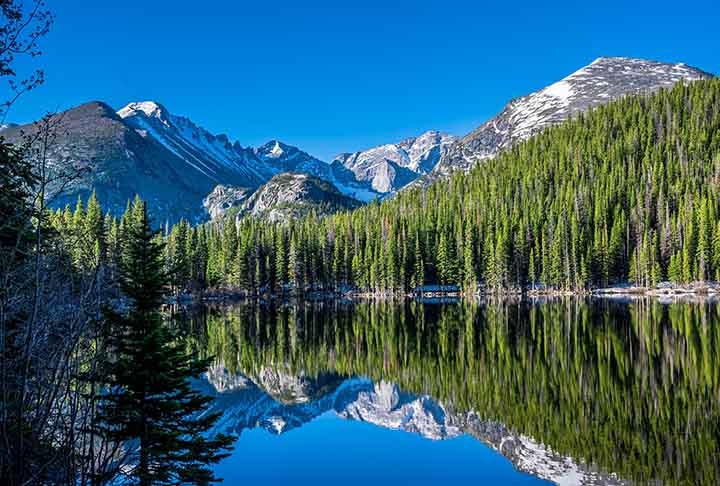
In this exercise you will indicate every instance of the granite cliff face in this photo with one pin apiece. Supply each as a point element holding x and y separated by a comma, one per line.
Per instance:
<point>291,195</point>
<point>223,198</point>
<point>391,167</point>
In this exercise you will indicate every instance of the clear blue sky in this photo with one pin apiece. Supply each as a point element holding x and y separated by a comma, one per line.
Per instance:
<point>342,75</point>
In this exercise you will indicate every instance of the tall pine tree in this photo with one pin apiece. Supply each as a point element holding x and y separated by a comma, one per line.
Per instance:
<point>149,405</point>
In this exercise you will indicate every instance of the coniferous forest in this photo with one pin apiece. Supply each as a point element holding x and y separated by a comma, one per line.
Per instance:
<point>110,374</point>
<point>625,193</point>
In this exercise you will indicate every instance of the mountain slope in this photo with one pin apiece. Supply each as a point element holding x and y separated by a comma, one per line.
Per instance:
<point>118,163</point>
<point>291,195</point>
<point>604,80</point>
<point>212,156</point>
<point>392,166</point>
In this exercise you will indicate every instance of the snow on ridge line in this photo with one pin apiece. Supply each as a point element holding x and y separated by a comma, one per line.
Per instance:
<point>149,108</point>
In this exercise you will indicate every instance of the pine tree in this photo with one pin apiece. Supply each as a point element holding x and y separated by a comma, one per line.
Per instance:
<point>149,404</point>
<point>418,272</point>
<point>281,266</point>
<point>296,267</point>
<point>95,231</point>
<point>469,260</point>
<point>80,238</point>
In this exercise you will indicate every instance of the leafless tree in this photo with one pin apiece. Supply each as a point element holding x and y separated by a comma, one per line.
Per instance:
<point>22,25</point>
<point>50,333</point>
<point>49,312</point>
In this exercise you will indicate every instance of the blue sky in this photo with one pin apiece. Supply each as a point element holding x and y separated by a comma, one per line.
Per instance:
<point>342,76</point>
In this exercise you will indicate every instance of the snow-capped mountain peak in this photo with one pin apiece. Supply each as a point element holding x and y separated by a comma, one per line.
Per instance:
<point>276,151</point>
<point>150,109</point>
<point>603,80</point>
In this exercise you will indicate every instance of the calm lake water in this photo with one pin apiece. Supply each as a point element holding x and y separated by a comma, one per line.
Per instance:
<point>567,391</point>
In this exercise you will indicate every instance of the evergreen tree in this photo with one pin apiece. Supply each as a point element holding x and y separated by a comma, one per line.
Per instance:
<point>148,404</point>
<point>95,231</point>
<point>595,201</point>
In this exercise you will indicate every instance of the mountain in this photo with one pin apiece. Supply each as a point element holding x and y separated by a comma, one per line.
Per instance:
<point>291,159</point>
<point>292,195</point>
<point>118,162</point>
<point>278,402</point>
<point>183,170</point>
<point>604,80</point>
<point>211,156</point>
<point>392,166</point>
<point>178,167</point>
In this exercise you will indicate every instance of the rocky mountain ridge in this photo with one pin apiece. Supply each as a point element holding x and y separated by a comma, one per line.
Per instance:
<point>604,80</point>
<point>391,167</point>
<point>183,170</point>
<point>291,195</point>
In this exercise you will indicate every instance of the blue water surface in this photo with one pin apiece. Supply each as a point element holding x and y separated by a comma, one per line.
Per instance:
<point>333,450</point>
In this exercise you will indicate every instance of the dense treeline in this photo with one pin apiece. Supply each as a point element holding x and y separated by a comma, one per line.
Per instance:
<point>626,192</point>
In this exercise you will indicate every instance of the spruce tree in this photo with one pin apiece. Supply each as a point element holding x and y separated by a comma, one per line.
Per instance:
<point>148,404</point>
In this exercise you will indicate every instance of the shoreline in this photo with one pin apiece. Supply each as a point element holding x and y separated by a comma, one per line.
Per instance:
<point>697,290</point>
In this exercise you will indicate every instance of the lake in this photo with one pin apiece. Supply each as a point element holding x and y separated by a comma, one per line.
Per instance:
<point>569,391</point>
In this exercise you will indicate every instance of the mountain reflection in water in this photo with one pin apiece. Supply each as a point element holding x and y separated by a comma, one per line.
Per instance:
<point>571,391</point>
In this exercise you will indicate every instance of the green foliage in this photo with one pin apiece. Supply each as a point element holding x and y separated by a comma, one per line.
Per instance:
<point>628,191</point>
<point>629,388</point>
<point>148,396</point>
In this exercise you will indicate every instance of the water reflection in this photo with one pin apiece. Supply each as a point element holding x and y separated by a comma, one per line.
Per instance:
<point>613,390</point>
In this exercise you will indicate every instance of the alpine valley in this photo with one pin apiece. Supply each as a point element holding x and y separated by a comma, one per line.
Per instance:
<point>195,290</point>
<point>183,171</point>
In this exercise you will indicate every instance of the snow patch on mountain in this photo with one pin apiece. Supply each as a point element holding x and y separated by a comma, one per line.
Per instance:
<point>604,80</point>
<point>151,109</point>
<point>276,151</point>
<point>390,167</point>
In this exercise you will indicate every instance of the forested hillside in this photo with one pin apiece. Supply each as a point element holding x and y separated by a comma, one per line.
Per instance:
<point>626,192</point>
